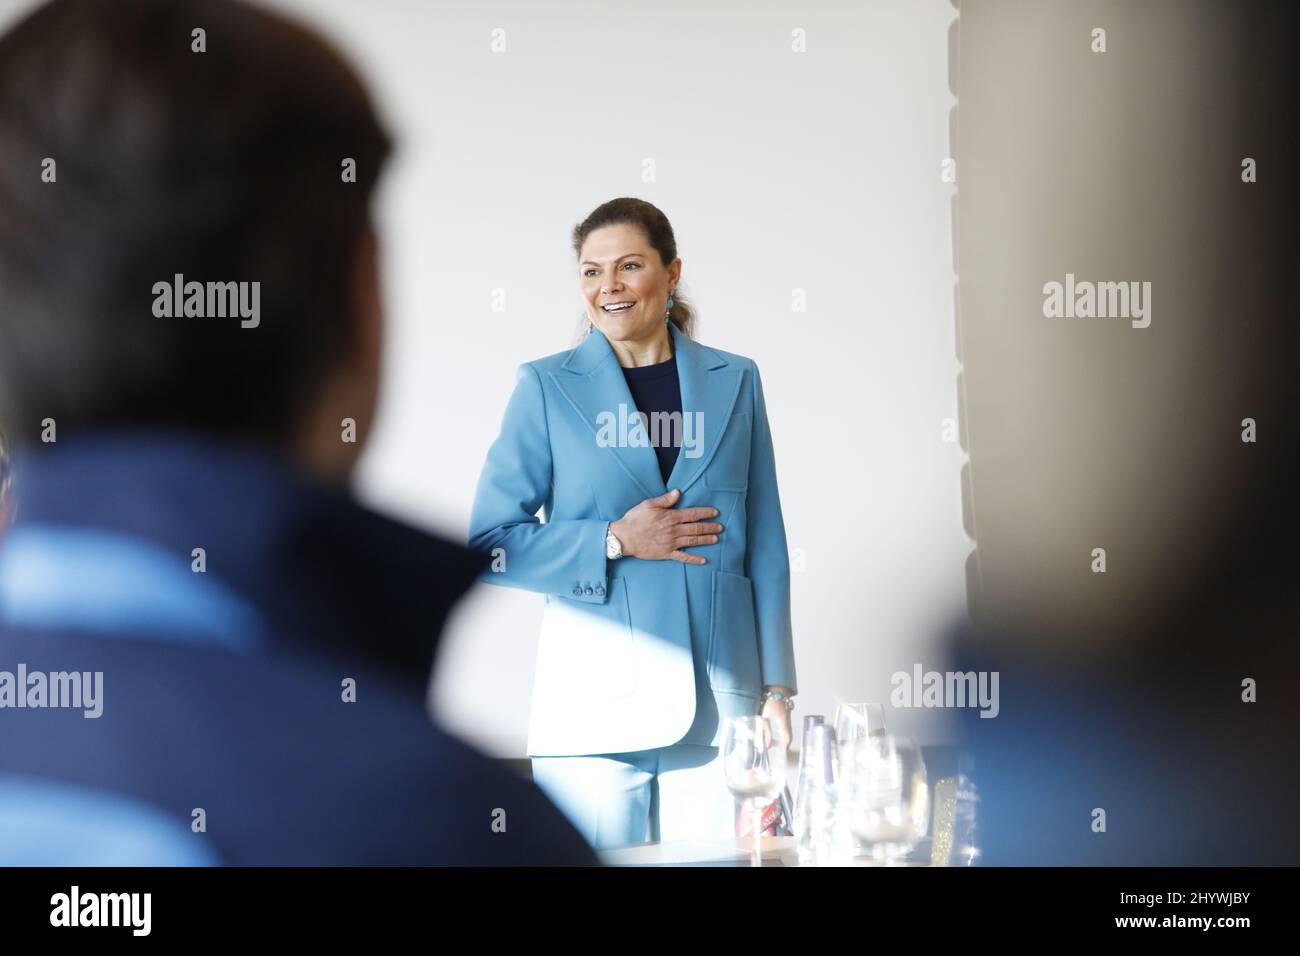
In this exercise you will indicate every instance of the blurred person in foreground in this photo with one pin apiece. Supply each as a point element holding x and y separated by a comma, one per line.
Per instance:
<point>1168,741</point>
<point>1165,731</point>
<point>215,655</point>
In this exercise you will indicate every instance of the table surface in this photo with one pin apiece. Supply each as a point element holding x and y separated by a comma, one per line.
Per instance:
<point>775,851</point>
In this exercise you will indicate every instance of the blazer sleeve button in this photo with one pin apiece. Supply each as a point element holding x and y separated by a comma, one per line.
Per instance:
<point>577,592</point>
<point>587,590</point>
<point>600,591</point>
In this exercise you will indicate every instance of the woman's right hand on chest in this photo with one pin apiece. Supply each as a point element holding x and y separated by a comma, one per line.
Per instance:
<point>654,530</point>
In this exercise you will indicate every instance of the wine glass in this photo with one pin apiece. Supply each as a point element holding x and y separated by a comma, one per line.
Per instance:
<point>753,759</point>
<point>888,795</point>
<point>856,721</point>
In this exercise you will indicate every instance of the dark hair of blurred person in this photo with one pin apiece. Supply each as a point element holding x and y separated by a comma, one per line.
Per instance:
<point>183,478</point>
<point>223,165</point>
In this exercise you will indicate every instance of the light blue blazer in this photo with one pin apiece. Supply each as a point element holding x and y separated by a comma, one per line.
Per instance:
<point>614,665</point>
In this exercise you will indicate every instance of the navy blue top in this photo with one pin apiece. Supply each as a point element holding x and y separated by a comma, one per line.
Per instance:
<point>655,388</point>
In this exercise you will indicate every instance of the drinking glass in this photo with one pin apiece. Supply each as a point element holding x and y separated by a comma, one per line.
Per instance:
<point>855,721</point>
<point>888,795</point>
<point>754,759</point>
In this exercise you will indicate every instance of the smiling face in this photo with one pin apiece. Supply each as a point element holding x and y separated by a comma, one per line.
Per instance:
<point>619,268</point>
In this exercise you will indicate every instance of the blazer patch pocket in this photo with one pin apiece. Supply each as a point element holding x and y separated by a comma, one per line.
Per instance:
<point>733,635</point>
<point>729,469</point>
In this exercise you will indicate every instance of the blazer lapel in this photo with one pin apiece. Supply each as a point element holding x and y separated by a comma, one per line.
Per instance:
<point>710,387</point>
<point>593,383</point>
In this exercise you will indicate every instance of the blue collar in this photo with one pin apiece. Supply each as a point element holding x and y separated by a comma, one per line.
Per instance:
<point>288,559</point>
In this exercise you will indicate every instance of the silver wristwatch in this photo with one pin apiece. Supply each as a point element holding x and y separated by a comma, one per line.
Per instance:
<point>613,547</point>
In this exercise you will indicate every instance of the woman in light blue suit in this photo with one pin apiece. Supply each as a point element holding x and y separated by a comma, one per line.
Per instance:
<point>662,555</point>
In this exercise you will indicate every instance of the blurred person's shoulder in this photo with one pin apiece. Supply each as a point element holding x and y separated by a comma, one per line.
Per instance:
<point>444,801</point>
<point>297,757</point>
<point>403,789</point>
<point>1121,757</point>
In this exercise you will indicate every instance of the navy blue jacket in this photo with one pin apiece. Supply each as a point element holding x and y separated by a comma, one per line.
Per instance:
<point>1156,736</point>
<point>224,735</point>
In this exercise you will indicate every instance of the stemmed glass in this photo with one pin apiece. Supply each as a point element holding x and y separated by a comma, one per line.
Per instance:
<point>754,759</point>
<point>856,721</point>
<point>888,795</point>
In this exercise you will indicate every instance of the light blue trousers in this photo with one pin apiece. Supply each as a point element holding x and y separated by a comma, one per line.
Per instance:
<point>668,793</point>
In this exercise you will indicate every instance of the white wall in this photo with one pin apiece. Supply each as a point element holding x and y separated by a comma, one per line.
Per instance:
<point>780,171</point>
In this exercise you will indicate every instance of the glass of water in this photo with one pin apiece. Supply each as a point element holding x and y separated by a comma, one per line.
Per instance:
<point>754,760</point>
<point>887,795</point>
<point>856,721</point>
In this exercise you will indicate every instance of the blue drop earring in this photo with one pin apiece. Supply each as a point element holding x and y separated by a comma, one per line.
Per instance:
<point>668,314</point>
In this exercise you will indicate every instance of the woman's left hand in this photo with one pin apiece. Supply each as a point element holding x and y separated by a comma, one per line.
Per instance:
<point>776,712</point>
